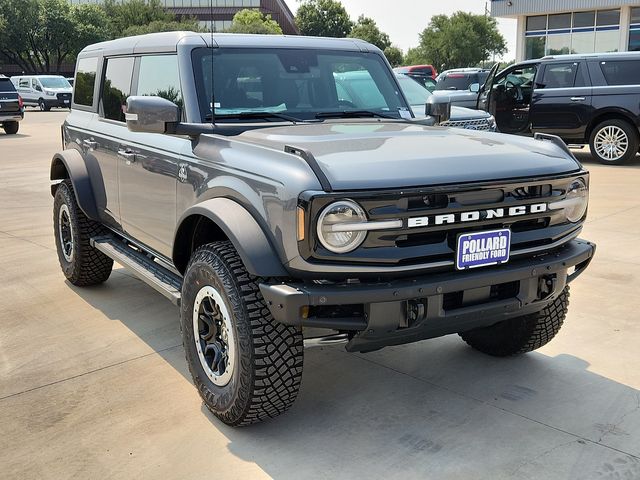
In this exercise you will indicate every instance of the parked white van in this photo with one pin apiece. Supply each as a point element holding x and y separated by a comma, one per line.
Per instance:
<point>45,91</point>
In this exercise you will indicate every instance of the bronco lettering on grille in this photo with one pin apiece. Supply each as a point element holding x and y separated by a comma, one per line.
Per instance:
<point>476,215</point>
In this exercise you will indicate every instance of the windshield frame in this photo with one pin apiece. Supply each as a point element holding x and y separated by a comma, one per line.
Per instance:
<point>198,55</point>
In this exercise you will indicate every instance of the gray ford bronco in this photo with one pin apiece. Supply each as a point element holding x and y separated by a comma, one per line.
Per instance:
<point>231,174</point>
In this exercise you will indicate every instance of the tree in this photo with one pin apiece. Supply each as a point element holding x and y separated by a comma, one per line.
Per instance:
<point>394,55</point>
<point>129,13</point>
<point>462,40</point>
<point>41,34</point>
<point>252,21</point>
<point>366,29</point>
<point>323,18</point>
<point>162,26</point>
<point>415,56</point>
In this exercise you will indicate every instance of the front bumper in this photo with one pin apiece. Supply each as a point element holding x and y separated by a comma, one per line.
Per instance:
<point>407,310</point>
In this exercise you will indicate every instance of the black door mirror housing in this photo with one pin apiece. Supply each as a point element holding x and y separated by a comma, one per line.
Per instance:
<point>148,114</point>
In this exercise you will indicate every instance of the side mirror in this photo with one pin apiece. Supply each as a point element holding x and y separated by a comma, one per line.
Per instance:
<point>151,114</point>
<point>38,88</point>
<point>474,87</point>
<point>438,107</point>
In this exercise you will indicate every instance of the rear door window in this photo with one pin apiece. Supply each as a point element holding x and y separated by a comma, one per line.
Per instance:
<point>85,81</point>
<point>116,87</point>
<point>621,72</point>
<point>455,81</point>
<point>559,75</point>
<point>24,83</point>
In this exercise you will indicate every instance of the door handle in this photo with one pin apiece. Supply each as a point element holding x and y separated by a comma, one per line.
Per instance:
<point>127,154</point>
<point>90,144</point>
<point>578,99</point>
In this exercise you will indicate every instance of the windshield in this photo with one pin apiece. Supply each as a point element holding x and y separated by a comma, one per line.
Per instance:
<point>416,94</point>
<point>456,81</point>
<point>300,83</point>
<point>54,82</point>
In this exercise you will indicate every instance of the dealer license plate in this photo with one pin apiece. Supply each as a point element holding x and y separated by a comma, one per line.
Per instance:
<point>481,249</point>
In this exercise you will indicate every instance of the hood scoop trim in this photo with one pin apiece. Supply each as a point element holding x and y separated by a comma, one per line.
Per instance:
<point>308,157</point>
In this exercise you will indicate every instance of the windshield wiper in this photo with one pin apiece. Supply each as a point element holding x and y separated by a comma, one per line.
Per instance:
<point>355,114</point>
<point>256,115</point>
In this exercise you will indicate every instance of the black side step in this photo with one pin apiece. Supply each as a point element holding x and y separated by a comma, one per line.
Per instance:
<point>160,278</point>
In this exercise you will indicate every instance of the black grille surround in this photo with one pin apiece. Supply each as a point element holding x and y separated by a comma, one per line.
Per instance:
<point>435,244</point>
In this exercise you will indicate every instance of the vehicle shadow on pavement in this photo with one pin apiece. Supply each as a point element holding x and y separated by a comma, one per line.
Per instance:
<point>435,406</point>
<point>15,135</point>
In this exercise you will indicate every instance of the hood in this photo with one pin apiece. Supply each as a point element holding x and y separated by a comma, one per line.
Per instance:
<point>377,154</point>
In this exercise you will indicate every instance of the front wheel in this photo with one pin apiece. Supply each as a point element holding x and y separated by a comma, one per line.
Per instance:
<point>11,128</point>
<point>246,366</point>
<point>521,334</point>
<point>614,142</point>
<point>43,106</point>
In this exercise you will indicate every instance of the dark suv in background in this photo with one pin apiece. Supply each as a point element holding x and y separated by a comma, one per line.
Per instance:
<point>11,109</point>
<point>584,99</point>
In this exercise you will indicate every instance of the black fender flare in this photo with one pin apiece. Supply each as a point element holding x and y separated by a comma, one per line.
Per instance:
<point>70,164</point>
<point>244,232</point>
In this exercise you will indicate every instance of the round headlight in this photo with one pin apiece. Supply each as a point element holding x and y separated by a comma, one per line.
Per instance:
<point>333,226</point>
<point>576,201</point>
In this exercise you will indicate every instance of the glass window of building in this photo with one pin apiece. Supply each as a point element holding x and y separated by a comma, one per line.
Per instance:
<point>559,44</point>
<point>584,19</point>
<point>583,42</point>
<point>607,41</point>
<point>537,23</point>
<point>535,47</point>
<point>560,21</point>
<point>634,30</point>
<point>608,17</point>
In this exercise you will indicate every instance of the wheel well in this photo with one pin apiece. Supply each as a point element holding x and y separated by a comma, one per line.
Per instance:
<point>58,172</point>
<point>195,231</point>
<point>607,116</point>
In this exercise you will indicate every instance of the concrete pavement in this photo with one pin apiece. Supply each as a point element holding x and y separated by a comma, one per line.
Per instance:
<point>93,382</point>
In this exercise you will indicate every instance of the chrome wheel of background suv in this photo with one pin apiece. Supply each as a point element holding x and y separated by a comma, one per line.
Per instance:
<point>611,142</point>
<point>614,142</point>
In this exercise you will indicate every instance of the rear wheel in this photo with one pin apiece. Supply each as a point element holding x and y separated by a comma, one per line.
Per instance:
<point>11,128</point>
<point>521,334</point>
<point>82,264</point>
<point>614,142</point>
<point>246,366</point>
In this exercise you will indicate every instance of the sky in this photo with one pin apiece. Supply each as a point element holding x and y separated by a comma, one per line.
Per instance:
<point>404,20</point>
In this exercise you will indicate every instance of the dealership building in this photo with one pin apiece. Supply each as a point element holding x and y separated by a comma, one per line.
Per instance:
<point>554,27</point>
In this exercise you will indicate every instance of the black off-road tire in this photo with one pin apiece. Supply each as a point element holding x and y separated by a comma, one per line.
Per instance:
<point>87,265</point>
<point>633,141</point>
<point>269,356</point>
<point>11,128</point>
<point>521,334</point>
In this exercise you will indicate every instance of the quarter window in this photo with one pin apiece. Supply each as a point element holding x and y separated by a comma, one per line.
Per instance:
<point>24,83</point>
<point>621,72</point>
<point>85,81</point>
<point>116,87</point>
<point>159,77</point>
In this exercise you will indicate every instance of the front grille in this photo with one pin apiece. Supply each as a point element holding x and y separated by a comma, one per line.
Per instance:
<point>436,243</point>
<point>469,124</point>
<point>63,96</point>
